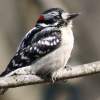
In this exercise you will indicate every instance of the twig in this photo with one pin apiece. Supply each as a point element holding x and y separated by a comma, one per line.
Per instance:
<point>72,72</point>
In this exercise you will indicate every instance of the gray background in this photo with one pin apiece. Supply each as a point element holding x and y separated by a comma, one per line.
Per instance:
<point>18,16</point>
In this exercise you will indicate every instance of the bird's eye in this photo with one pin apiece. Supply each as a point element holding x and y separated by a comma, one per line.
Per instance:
<point>57,17</point>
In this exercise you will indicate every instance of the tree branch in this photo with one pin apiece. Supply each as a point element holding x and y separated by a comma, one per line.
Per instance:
<point>72,72</point>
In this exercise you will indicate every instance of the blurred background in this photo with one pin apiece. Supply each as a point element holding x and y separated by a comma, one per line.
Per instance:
<point>18,16</point>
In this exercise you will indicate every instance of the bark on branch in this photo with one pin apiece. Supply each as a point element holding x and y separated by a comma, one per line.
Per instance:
<point>73,72</point>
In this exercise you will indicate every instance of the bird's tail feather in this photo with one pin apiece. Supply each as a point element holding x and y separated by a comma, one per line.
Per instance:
<point>3,90</point>
<point>6,71</point>
<point>3,74</point>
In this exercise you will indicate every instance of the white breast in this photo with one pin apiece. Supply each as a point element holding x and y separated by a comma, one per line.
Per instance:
<point>67,42</point>
<point>60,56</point>
<point>67,35</point>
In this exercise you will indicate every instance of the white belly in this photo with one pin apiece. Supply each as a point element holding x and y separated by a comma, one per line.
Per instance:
<point>57,58</point>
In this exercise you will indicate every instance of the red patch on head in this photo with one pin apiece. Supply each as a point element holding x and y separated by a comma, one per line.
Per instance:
<point>41,18</point>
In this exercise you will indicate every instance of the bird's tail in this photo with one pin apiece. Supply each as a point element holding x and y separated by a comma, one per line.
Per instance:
<point>3,90</point>
<point>3,74</point>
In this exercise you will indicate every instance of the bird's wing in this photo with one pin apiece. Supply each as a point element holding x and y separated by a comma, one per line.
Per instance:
<point>42,43</point>
<point>28,37</point>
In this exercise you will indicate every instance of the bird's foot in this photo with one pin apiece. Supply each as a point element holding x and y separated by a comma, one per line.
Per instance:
<point>54,77</point>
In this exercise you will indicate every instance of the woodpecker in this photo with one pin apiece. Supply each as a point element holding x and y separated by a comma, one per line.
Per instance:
<point>47,46</point>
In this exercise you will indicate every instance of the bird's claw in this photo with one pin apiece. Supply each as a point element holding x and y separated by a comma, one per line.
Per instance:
<point>54,77</point>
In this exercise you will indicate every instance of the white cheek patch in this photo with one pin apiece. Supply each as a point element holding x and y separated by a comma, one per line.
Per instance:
<point>64,15</point>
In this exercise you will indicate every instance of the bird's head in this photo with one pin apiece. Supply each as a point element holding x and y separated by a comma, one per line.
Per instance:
<point>55,17</point>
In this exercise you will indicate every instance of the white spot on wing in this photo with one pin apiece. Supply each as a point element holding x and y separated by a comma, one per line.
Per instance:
<point>30,48</point>
<point>39,41</point>
<point>13,61</point>
<point>24,57</point>
<point>51,44</point>
<point>54,43</point>
<point>35,48</point>
<point>57,40</point>
<point>40,52</point>
<point>42,42</point>
<point>47,43</point>
<point>50,38</point>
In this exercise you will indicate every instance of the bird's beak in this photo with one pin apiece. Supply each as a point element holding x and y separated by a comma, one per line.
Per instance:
<point>72,16</point>
<point>67,16</point>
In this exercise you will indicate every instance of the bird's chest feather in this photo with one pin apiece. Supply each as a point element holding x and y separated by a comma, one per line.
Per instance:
<point>67,37</point>
<point>60,56</point>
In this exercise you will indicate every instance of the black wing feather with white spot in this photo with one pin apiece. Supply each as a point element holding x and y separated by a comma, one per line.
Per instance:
<point>41,43</point>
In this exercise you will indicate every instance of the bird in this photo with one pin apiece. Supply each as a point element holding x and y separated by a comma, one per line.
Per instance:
<point>47,46</point>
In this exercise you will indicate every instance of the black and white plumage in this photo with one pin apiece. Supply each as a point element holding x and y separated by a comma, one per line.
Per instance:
<point>47,47</point>
<point>29,51</point>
